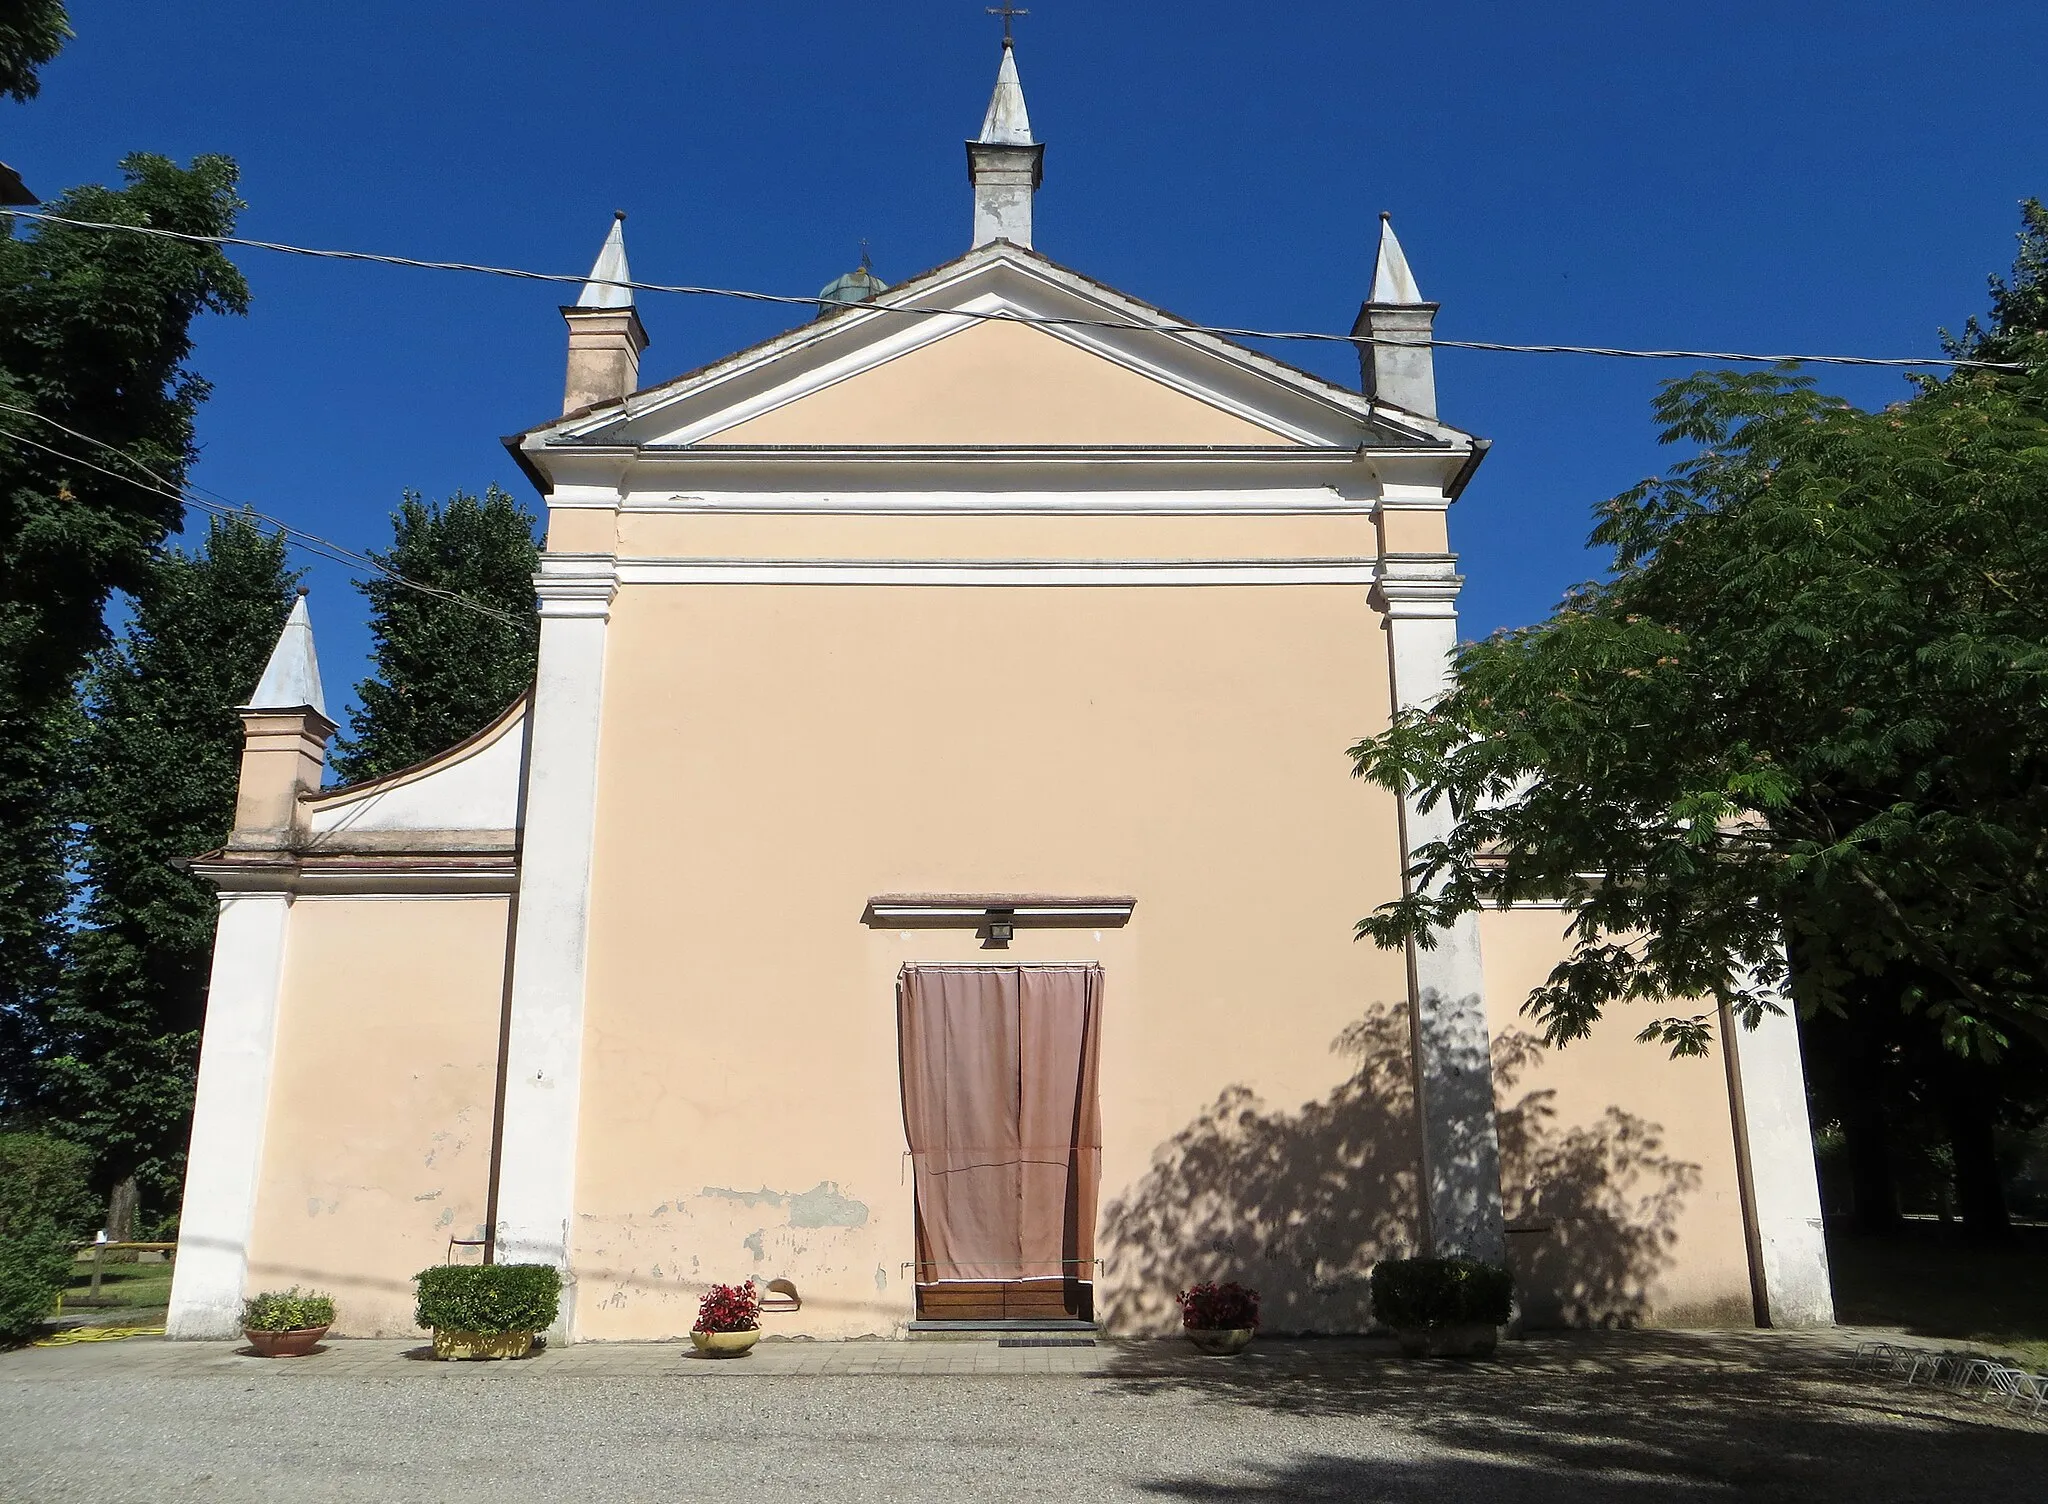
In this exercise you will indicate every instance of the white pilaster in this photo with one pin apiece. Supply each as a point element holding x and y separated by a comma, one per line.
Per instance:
<point>1784,1184</point>
<point>1447,990</point>
<point>228,1116</point>
<point>544,1048</point>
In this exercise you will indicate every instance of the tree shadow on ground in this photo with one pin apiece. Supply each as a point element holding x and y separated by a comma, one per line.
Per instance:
<point>1614,1417</point>
<point>1301,1204</point>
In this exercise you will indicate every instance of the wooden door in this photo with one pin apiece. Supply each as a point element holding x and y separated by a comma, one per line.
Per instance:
<point>999,1092</point>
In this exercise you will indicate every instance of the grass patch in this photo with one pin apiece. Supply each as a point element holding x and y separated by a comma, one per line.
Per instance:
<point>1929,1281</point>
<point>123,1286</point>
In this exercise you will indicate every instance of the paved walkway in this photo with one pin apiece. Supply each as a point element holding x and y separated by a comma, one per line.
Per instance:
<point>156,1358</point>
<point>1613,1418</point>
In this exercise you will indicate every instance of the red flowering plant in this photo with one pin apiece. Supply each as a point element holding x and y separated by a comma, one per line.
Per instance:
<point>1210,1307</point>
<point>729,1308</point>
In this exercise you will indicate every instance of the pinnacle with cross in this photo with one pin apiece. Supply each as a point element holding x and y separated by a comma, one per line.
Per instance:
<point>1008,12</point>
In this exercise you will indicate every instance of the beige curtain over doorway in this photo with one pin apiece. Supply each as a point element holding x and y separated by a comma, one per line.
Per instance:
<point>999,1103</point>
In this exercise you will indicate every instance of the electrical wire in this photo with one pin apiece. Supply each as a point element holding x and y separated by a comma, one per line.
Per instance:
<point>311,543</point>
<point>1050,320</point>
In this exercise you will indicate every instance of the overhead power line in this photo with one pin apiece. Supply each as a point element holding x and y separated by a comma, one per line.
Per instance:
<point>312,543</point>
<point>1907,362</point>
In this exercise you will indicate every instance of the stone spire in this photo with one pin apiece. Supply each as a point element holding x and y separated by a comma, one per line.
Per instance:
<point>602,290</point>
<point>1399,365</point>
<point>1004,163</point>
<point>291,679</point>
<point>285,730</point>
<point>605,332</point>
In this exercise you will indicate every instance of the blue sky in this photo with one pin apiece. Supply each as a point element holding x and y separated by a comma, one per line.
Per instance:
<point>1828,175</point>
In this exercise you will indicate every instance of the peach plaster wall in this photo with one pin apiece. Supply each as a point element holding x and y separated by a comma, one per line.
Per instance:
<point>774,756</point>
<point>378,1146</point>
<point>1618,1162</point>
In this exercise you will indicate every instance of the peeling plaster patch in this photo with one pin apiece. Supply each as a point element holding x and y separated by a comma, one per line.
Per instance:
<point>752,1242</point>
<point>447,1217</point>
<point>426,1196</point>
<point>748,1199</point>
<point>660,1211</point>
<point>823,1206</point>
<point>881,1278</point>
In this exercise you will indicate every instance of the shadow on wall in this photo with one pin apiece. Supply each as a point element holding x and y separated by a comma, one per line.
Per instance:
<point>1592,1211</point>
<point>1298,1204</point>
<point>1302,1204</point>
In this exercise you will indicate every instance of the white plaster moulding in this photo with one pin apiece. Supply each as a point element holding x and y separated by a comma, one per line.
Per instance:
<point>784,369</point>
<point>1291,455</point>
<point>417,880</point>
<point>1008,572</point>
<point>953,909</point>
<point>1278,503</point>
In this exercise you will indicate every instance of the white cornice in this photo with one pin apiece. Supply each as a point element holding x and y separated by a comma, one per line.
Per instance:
<point>1304,501</point>
<point>364,878</point>
<point>1002,572</point>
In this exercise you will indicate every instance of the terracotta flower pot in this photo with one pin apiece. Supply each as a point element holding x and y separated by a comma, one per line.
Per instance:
<point>1465,1341</point>
<point>724,1344</point>
<point>1220,1341</point>
<point>461,1346</point>
<point>293,1344</point>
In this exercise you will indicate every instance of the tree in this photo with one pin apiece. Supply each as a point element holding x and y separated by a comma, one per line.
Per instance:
<point>32,32</point>
<point>443,670</point>
<point>160,760</point>
<point>1808,708</point>
<point>2019,308</point>
<point>94,332</point>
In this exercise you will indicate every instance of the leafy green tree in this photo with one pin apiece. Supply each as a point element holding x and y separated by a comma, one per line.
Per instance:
<point>1809,705</point>
<point>444,671</point>
<point>2019,308</point>
<point>32,33</point>
<point>161,757</point>
<point>95,329</point>
<point>1798,739</point>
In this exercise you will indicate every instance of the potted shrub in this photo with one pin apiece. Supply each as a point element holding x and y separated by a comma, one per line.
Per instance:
<point>487,1310</point>
<point>1220,1319</point>
<point>728,1321</point>
<point>285,1323</point>
<point>1443,1308</point>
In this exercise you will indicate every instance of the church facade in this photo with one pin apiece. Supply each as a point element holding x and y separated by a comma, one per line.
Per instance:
<point>924,871</point>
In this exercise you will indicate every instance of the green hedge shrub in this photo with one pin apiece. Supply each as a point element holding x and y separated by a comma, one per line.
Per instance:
<point>45,1207</point>
<point>286,1311</point>
<point>488,1298</point>
<point>1411,1294</point>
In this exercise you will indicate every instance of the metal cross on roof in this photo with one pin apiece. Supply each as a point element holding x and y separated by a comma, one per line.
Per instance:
<point>1007,11</point>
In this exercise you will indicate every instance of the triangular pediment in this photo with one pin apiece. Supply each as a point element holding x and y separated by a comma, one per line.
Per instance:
<point>1000,384</point>
<point>1000,348</point>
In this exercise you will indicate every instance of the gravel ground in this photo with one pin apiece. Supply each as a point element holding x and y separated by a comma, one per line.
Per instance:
<point>1637,1417</point>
